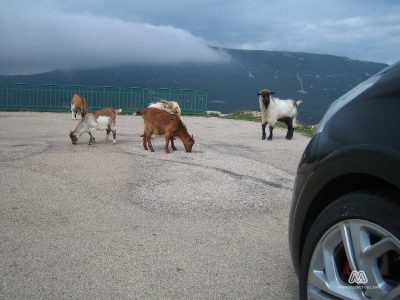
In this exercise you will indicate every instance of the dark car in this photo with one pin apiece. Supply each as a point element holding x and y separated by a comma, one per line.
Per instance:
<point>344,227</point>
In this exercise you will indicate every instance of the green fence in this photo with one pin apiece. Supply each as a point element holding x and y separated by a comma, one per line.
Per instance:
<point>57,98</point>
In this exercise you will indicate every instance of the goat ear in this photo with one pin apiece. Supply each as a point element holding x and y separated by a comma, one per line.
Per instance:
<point>258,94</point>
<point>272,93</point>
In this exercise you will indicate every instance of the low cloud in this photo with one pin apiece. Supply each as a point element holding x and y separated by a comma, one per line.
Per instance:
<point>365,38</point>
<point>36,39</point>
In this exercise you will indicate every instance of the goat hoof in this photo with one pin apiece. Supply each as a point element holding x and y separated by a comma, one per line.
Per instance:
<point>270,138</point>
<point>289,137</point>
<point>263,138</point>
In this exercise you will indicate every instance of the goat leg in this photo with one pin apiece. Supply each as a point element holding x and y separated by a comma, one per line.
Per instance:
<point>289,134</point>
<point>167,144</point>
<point>148,138</point>
<point>108,130</point>
<point>114,132</point>
<point>91,138</point>
<point>172,144</point>
<point>289,123</point>
<point>144,141</point>
<point>270,132</point>
<point>264,135</point>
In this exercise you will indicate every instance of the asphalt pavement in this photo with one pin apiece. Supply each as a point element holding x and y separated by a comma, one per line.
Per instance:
<point>118,222</point>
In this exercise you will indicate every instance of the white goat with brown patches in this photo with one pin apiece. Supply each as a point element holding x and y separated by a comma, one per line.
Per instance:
<point>169,106</point>
<point>78,104</point>
<point>103,119</point>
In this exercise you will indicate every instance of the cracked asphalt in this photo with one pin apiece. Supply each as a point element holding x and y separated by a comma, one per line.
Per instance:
<point>118,222</point>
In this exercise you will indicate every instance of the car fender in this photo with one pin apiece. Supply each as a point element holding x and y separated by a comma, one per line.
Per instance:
<point>364,160</point>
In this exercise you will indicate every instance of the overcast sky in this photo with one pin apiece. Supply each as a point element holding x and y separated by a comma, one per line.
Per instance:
<point>37,36</point>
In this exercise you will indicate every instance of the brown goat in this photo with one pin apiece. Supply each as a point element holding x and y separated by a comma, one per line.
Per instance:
<point>78,104</point>
<point>163,123</point>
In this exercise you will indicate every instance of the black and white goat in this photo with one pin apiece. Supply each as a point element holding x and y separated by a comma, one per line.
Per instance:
<point>275,109</point>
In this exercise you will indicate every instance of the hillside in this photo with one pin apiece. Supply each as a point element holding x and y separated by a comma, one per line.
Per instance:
<point>315,78</point>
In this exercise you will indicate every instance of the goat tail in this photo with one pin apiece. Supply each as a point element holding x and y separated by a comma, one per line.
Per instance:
<point>299,102</point>
<point>139,113</point>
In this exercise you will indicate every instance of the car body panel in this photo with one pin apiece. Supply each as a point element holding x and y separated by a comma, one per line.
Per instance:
<point>359,140</point>
<point>350,162</point>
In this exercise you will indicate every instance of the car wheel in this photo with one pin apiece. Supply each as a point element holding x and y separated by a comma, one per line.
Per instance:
<point>352,250</point>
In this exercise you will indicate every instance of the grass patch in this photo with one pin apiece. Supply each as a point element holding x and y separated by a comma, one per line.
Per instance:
<point>307,130</point>
<point>243,115</point>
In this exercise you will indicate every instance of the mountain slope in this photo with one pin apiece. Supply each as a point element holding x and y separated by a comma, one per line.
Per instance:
<point>315,78</point>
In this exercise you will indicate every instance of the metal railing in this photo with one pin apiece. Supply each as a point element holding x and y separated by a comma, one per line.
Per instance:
<point>57,98</point>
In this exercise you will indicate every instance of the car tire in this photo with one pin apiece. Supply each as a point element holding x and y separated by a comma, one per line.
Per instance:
<point>342,240</point>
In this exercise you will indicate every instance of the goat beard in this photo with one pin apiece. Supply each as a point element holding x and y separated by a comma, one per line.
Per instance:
<point>266,102</point>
